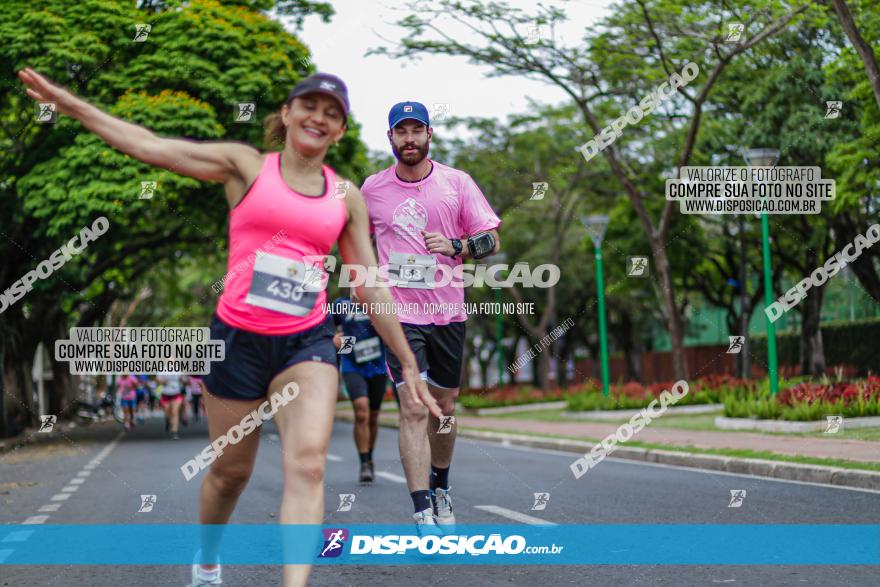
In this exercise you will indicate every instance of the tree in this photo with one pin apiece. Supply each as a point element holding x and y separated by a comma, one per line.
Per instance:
<point>507,160</point>
<point>185,78</point>
<point>864,50</point>
<point>640,46</point>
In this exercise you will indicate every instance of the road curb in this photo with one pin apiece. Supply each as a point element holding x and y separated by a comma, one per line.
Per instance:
<point>788,471</point>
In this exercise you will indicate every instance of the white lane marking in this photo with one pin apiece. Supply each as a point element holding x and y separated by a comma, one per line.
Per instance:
<point>665,466</point>
<point>19,536</point>
<point>4,554</point>
<point>514,515</point>
<point>333,458</point>
<point>74,484</point>
<point>391,476</point>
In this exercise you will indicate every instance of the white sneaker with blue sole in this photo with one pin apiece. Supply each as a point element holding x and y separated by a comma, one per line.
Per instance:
<point>443,508</point>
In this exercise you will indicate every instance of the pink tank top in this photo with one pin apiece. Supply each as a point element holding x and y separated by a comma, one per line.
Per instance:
<point>269,287</point>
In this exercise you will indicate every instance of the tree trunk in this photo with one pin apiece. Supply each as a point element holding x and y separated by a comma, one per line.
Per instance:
<point>812,353</point>
<point>673,316</point>
<point>4,427</point>
<point>18,388</point>
<point>60,390</point>
<point>628,346</point>
<point>544,369</point>
<point>862,48</point>
<point>484,369</point>
<point>566,352</point>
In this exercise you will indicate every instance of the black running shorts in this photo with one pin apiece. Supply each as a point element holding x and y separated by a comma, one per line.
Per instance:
<point>253,360</point>
<point>370,387</point>
<point>438,351</point>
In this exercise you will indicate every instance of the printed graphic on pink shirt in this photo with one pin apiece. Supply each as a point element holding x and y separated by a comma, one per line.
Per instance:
<point>447,201</point>
<point>410,218</point>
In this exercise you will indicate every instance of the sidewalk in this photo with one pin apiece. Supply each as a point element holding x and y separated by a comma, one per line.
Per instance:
<point>798,446</point>
<point>830,448</point>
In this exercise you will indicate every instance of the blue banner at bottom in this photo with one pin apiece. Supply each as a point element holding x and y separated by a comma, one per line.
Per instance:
<point>372,544</point>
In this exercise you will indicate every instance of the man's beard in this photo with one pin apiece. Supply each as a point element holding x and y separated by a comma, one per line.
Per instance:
<point>414,158</point>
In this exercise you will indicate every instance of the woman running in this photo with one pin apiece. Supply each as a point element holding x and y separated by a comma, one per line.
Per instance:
<point>172,399</point>
<point>127,386</point>
<point>365,375</point>
<point>275,328</point>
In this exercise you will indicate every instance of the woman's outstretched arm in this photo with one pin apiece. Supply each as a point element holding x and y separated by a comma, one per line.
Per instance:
<point>209,161</point>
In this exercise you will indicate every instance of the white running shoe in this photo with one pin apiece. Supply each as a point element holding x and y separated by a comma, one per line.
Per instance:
<point>425,524</point>
<point>443,507</point>
<point>202,578</point>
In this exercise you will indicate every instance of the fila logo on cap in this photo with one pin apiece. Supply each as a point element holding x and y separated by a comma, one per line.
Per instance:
<point>328,86</point>
<point>407,108</point>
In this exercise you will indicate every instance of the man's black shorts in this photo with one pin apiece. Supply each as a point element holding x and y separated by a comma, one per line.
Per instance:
<point>370,387</point>
<point>253,360</point>
<point>438,351</point>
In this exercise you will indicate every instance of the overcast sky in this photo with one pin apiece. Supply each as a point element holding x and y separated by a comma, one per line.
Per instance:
<point>377,82</point>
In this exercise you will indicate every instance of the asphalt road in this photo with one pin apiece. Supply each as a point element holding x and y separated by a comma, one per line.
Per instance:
<point>491,484</point>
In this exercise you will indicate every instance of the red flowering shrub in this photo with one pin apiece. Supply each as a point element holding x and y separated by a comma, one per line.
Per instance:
<point>847,391</point>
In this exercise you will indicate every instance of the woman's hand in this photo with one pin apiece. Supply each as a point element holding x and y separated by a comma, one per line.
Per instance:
<point>42,90</point>
<point>337,340</point>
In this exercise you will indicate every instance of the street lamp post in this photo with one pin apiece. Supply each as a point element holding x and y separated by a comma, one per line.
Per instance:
<point>767,158</point>
<point>596,226</point>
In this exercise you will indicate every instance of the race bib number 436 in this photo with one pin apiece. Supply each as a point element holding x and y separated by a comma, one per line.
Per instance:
<point>285,285</point>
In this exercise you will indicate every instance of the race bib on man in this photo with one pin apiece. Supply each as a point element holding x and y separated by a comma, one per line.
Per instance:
<point>411,270</point>
<point>285,285</point>
<point>367,349</point>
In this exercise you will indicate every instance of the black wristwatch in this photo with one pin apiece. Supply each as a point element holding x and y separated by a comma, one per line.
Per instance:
<point>457,246</point>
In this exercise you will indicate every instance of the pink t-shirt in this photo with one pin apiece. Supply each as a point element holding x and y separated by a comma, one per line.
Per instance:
<point>447,201</point>
<point>127,385</point>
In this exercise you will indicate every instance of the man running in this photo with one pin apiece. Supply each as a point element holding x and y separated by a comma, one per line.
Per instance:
<point>143,389</point>
<point>426,218</point>
<point>195,386</point>
<point>363,370</point>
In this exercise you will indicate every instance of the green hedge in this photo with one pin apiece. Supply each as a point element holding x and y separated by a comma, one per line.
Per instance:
<point>586,401</point>
<point>845,343</point>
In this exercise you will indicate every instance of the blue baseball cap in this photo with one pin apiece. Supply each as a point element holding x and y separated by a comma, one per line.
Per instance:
<point>408,110</point>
